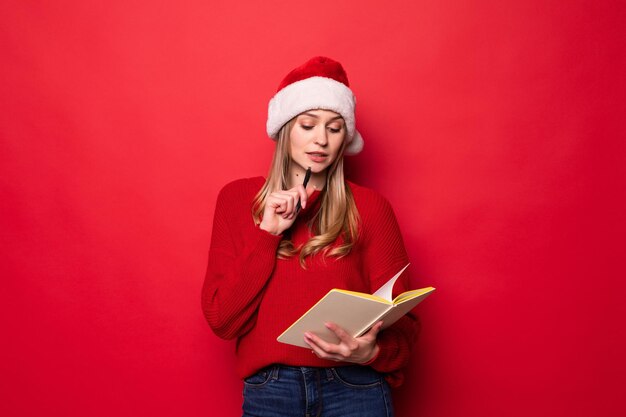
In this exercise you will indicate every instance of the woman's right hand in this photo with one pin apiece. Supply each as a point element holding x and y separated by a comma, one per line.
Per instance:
<point>280,209</point>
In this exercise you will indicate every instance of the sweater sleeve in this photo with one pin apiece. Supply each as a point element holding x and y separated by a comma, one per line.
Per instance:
<point>385,256</point>
<point>241,260</point>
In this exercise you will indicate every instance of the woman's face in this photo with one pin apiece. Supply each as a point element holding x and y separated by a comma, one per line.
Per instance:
<point>316,138</point>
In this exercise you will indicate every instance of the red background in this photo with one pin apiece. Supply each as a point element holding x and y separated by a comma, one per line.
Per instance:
<point>495,129</point>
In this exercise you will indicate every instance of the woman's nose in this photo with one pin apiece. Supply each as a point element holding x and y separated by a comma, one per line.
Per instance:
<point>321,137</point>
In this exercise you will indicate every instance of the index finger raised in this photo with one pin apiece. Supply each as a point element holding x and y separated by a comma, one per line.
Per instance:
<point>302,192</point>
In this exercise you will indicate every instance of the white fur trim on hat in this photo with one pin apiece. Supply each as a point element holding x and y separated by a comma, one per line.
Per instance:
<point>314,93</point>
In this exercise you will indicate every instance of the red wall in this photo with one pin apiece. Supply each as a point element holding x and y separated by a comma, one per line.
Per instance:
<point>495,128</point>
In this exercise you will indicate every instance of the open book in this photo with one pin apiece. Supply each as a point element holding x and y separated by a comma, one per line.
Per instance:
<point>355,312</point>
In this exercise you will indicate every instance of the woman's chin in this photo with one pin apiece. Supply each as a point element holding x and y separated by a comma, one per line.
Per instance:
<point>318,168</point>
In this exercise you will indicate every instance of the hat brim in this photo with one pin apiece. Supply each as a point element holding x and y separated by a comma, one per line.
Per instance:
<point>314,93</point>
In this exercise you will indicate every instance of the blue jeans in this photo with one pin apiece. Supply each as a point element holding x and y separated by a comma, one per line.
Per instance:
<point>283,391</point>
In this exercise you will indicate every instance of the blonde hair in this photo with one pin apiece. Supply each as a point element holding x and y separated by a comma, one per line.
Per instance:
<point>337,216</point>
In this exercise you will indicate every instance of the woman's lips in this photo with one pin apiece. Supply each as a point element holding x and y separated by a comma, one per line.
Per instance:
<point>317,156</point>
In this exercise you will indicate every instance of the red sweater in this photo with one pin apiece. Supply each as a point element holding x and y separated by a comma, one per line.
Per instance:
<point>251,295</point>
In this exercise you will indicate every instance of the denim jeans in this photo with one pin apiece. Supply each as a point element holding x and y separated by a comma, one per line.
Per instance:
<point>284,391</point>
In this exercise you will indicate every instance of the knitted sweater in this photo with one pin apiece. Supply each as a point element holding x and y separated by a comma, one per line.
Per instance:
<point>251,295</point>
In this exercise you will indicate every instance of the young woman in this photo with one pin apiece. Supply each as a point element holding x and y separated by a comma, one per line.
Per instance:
<point>278,247</point>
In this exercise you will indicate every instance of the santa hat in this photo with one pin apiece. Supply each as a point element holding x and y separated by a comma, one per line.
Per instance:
<point>321,83</point>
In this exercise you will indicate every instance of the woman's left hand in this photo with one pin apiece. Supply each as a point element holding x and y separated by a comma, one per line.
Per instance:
<point>349,349</point>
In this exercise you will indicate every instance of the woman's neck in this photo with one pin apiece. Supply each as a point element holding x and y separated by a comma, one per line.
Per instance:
<point>296,177</point>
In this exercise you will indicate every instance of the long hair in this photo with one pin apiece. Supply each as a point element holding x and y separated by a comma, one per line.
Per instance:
<point>336,217</point>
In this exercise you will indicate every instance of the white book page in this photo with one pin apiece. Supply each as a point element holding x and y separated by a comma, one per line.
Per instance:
<point>386,290</point>
<point>399,310</point>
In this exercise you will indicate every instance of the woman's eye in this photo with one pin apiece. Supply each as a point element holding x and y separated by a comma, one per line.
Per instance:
<point>334,129</point>
<point>306,127</point>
